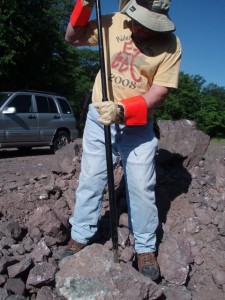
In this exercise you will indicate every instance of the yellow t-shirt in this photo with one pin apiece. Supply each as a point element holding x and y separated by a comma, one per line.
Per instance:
<point>132,69</point>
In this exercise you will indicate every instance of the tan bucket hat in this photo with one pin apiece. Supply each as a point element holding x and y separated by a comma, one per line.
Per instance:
<point>154,17</point>
<point>122,3</point>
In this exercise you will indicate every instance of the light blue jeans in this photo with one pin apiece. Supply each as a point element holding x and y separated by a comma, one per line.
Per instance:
<point>137,147</point>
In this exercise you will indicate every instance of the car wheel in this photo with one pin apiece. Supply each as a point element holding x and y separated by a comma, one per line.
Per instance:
<point>60,140</point>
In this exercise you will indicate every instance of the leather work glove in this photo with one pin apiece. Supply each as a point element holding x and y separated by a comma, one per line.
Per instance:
<point>130,111</point>
<point>110,113</point>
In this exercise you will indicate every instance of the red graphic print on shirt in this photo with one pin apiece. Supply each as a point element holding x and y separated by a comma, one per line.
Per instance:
<point>125,59</point>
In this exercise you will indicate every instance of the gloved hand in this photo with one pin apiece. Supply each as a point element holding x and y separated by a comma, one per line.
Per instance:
<point>110,112</point>
<point>130,111</point>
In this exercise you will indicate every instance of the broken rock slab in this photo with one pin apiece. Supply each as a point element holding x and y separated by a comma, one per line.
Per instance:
<point>181,140</point>
<point>92,274</point>
<point>174,259</point>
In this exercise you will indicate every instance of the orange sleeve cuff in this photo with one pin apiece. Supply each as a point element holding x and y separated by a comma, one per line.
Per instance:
<point>135,110</point>
<point>80,15</point>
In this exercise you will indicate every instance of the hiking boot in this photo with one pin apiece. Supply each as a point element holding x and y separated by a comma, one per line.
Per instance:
<point>147,265</point>
<point>72,248</point>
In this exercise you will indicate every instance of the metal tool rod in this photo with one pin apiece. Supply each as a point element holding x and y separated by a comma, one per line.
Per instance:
<point>108,143</point>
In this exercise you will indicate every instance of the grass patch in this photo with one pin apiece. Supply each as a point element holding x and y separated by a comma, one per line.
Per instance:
<point>217,141</point>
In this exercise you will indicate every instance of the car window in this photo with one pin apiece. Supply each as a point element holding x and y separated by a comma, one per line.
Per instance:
<point>64,106</point>
<point>22,103</point>
<point>46,105</point>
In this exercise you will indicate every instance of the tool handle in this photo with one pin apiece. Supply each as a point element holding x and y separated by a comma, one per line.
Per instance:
<point>108,143</point>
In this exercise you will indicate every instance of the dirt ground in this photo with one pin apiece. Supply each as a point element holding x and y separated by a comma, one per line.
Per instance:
<point>17,168</point>
<point>16,165</point>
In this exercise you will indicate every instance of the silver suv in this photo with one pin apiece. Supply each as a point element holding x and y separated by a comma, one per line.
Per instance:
<point>35,119</point>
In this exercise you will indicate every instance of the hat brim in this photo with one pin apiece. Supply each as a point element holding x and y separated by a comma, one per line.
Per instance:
<point>149,19</point>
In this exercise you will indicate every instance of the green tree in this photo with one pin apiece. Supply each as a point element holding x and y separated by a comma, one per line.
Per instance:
<point>34,53</point>
<point>82,72</point>
<point>211,117</point>
<point>182,103</point>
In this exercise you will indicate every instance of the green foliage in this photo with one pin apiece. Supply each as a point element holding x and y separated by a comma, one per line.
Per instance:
<point>83,73</point>
<point>211,116</point>
<point>32,44</point>
<point>182,102</point>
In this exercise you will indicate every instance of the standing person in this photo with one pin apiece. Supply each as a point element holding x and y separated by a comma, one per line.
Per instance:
<point>142,60</point>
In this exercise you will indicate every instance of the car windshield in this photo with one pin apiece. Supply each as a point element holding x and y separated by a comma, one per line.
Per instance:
<point>4,97</point>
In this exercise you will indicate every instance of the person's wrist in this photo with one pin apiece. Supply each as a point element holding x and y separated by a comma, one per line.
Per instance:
<point>120,114</point>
